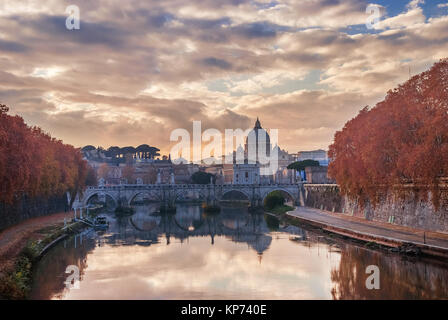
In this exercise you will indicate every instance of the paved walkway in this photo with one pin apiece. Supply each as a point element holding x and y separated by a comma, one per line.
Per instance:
<point>378,229</point>
<point>13,239</point>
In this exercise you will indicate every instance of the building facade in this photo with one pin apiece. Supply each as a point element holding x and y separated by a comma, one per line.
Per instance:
<point>246,173</point>
<point>317,155</point>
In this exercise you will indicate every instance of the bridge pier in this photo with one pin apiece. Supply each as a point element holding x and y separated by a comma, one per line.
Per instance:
<point>255,203</point>
<point>301,199</point>
<point>102,197</point>
<point>168,200</point>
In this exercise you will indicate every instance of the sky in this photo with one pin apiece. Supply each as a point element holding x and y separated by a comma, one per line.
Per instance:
<point>138,69</point>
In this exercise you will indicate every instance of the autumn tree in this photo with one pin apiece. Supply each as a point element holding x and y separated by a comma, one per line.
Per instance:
<point>91,177</point>
<point>34,164</point>
<point>150,177</point>
<point>402,140</point>
<point>128,173</point>
<point>103,171</point>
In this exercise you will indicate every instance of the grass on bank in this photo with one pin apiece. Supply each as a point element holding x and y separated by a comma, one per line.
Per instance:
<point>280,210</point>
<point>275,203</point>
<point>16,284</point>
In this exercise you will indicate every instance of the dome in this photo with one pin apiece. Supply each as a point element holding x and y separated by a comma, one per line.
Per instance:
<point>256,138</point>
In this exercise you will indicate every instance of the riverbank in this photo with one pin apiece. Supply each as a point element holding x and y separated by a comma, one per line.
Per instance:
<point>397,238</point>
<point>21,245</point>
<point>279,210</point>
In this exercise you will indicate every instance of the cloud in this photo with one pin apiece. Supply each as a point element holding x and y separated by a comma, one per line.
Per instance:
<point>139,69</point>
<point>215,62</point>
<point>409,19</point>
<point>415,3</point>
<point>11,46</point>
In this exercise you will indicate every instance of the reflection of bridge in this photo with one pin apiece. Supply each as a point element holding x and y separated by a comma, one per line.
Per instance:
<point>125,194</point>
<point>189,222</point>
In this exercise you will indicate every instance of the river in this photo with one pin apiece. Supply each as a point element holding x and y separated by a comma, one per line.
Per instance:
<point>231,255</point>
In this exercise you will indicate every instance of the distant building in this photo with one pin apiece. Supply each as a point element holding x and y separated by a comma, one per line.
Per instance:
<point>249,169</point>
<point>317,155</point>
<point>285,176</point>
<point>246,173</point>
<point>257,140</point>
<point>183,172</point>
<point>215,169</point>
<point>227,173</point>
<point>317,175</point>
<point>147,168</point>
<point>284,158</point>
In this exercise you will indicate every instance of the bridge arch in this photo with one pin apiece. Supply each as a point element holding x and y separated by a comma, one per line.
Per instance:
<point>235,191</point>
<point>153,196</point>
<point>183,195</point>
<point>149,223</point>
<point>197,224</point>
<point>290,195</point>
<point>98,193</point>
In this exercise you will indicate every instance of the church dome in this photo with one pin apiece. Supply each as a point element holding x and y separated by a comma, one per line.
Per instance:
<point>256,138</point>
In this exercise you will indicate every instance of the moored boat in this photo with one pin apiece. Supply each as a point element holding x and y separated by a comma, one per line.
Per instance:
<point>101,223</point>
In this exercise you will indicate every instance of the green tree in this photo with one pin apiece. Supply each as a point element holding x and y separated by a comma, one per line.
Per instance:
<point>301,165</point>
<point>201,177</point>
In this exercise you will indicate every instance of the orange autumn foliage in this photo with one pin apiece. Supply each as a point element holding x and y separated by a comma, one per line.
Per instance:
<point>33,163</point>
<point>402,140</point>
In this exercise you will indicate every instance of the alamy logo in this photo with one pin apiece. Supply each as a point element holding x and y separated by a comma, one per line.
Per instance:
<point>72,281</point>
<point>73,21</point>
<point>373,280</point>
<point>374,18</point>
<point>220,148</point>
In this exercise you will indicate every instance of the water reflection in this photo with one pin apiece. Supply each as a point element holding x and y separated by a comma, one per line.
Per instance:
<point>400,277</point>
<point>232,255</point>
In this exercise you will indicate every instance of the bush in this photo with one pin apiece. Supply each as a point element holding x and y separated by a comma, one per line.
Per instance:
<point>31,250</point>
<point>274,199</point>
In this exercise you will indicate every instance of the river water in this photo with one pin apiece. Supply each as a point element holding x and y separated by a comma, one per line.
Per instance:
<point>232,255</point>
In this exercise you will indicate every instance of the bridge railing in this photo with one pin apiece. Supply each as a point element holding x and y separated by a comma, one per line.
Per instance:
<point>187,186</point>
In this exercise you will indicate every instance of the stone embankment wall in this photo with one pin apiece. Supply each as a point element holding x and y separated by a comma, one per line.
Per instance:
<point>407,211</point>
<point>26,208</point>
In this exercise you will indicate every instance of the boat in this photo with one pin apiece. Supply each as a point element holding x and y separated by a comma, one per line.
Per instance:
<point>100,223</point>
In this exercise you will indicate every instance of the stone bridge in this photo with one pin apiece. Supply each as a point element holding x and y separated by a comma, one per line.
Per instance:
<point>171,193</point>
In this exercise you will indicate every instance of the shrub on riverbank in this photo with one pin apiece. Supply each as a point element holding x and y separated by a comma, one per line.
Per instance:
<point>274,199</point>
<point>280,210</point>
<point>275,203</point>
<point>16,284</point>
